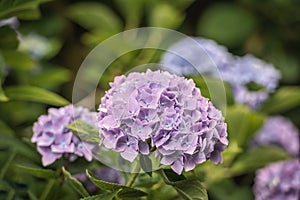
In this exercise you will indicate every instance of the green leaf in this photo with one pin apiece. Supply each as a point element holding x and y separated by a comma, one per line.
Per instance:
<point>257,158</point>
<point>227,23</point>
<point>166,16</point>
<point>188,189</point>
<point>85,131</point>
<point>191,190</point>
<point>10,8</point>
<point>35,94</point>
<point>242,123</point>
<point>8,38</point>
<point>146,164</point>
<point>3,97</point>
<point>94,16</point>
<point>75,184</point>
<point>102,196</point>
<point>38,172</point>
<point>123,191</point>
<point>285,99</point>
<point>18,60</point>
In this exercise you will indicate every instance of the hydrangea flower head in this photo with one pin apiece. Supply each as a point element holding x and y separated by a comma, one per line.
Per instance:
<point>157,110</point>
<point>246,71</point>
<point>278,181</point>
<point>54,139</point>
<point>279,131</point>
<point>206,55</point>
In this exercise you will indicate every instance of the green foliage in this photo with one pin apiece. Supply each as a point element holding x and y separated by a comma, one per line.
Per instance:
<point>10,8</point>
<point>188,189</point>
<point>242,124</point>
<point>38,172</point>
<point>121,191</point>
<point>85,131</point>
<point>146,164</point>
<point>35,94</point>
<point>257,158</point>
<point>8,38</point>
<point>238,23</point>
<point>285,99</point>
<point>75,183</point>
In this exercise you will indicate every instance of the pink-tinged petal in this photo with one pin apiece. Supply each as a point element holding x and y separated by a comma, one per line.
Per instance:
<point>46,139</point>
<point>129,155</point>
<point>122,143</point>
<point>110,122</point>
<point>63,138</point>
<point>50,158</point>
<point>223,140</point>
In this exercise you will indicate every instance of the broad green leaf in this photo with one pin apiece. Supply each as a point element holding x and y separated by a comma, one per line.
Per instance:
<point>10,8</point>
<point>191,190</point>
<point>94,16</point>
<point>285,99</point>
<point>35,94</point>
<point>3,97</point>
<point>4,186</point>
<point>75,184</point>
<point>8,162</point>
<point>146,164</point>
<point>242,123</point>
<point>8,38</point>
<point>102,196</point>
<point>18,60</point>
<point>38,172</point>
<point>257,158</point>
<point>123,191</point>
<point>188,189</point>
<point>85,131</point>
<point>227,23</point>
<point>166,16</point>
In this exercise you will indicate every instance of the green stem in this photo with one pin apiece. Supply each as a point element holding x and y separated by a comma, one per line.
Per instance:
<point>47,189</point>
<point>133,176</point>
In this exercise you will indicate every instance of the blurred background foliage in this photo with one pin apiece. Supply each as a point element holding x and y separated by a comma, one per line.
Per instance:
<point>43,45</point>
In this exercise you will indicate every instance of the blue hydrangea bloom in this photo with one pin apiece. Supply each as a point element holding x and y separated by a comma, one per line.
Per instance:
<point>157,110</point>
<point>103,173</point>
<point>248,70</point>
<point>193,55</point>
<point>281,132</point>
<point>54,140</point>
<point>278,181</point>
<point>212,59</point>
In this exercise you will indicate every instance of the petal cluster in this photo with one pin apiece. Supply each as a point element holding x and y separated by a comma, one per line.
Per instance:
<point>54,139</point>
<point>281,132</point>
<point>278,181</point>
<point>241,73</point>
<point>157,110</point>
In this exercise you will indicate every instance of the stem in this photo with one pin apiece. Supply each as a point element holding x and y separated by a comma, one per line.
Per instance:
<point>68,161</point>
<point>133,176</point>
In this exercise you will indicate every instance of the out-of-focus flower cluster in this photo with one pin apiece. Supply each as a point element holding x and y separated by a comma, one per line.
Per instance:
<point>54,139</point>
<point>102,173</point>
<point>157,110</point>
<point>278,181</point>
<point>251,79</point>
<point>279,131</point>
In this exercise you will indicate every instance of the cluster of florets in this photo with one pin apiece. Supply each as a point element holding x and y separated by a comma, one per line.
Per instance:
<point>54,139</point>
<point>281,132</point>
<point>157,110</point>
<point>192,56</point>
<point>278,181</point>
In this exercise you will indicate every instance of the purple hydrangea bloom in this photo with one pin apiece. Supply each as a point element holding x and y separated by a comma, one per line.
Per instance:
<point>278,181</point>
<point>102,173</point>
<point>163,111</point>
<point>279,131</point>
<point>194,55</point>
<point>248,70</point>
<point>54,140</point>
